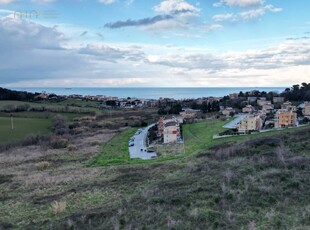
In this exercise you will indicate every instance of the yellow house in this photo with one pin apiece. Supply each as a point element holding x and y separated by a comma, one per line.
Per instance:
<point>248,109</point>
<point>227,111</point>
<point>250,123</point>
<point>285,118</point>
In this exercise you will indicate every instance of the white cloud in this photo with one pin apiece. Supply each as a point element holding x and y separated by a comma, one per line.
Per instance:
<point>246,15</point>
<point>212,27</point>
<point>107,2</point>
<point>224,17</point>
<point>6,1</point>
<point>239,3</point>
<point>172,7</point>
<point>252,14</point>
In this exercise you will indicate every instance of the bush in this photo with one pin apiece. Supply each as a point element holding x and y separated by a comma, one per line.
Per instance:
<point>59,143</point>
<point>41,166</point>
<point>94,143</point>
<point>60,125</point>
<point>72,148</point>
<point>59,207</point>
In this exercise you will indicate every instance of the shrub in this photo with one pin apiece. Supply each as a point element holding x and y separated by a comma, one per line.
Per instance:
<point>94,143</point>
<point>60,125</point>
<point>59,143</point>
<point>59,207</point>
<point>42,165</point>
<point>72,148</point>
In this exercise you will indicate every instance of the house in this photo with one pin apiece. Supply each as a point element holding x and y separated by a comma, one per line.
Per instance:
<point>188,114</point>
<point>262,101</point>
<point>227,111</point>
<point>248,109</point>
<point>306,110</point>
<point>278,99</point>
<point>268,107</point>
<point>169,129</point>
<point>233,96</point>
<point>252,99</point>
<point>250,123</point>
<point>285,118</point>
<point>286,104</point>
<point>171,132</point>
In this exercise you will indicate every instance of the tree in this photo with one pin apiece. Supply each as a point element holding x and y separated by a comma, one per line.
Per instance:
<point>60,125</point>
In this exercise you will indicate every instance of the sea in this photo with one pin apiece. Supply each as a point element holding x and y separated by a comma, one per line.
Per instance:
<point>151,92</point>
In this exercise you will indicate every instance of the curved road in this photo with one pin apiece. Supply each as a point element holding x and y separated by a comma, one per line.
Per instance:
<point>140,144</point>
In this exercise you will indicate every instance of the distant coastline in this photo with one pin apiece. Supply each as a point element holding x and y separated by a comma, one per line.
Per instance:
<point>149,92</point>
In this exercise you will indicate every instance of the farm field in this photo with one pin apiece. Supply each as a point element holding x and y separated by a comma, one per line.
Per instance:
<point>22,128</point>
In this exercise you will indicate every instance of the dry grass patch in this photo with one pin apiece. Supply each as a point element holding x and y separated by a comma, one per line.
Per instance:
<point>41,166</point>
<point>59,206</point>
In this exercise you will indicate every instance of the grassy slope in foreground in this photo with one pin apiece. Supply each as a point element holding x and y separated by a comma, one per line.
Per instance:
<point>261,184</point>
<point>22,128</point>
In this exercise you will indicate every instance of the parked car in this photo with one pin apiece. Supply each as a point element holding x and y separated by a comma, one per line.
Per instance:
<point>131,144</point>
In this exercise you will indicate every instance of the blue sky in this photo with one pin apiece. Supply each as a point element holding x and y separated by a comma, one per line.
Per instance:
<point>154,43</point>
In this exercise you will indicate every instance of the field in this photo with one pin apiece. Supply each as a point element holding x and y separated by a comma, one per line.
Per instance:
<point>199,136</point>
<point>116,150</point>
<point>22,128</point>
<point>261,183</point>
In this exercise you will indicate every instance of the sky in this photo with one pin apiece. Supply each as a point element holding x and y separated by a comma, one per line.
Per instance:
<point>154,43</point>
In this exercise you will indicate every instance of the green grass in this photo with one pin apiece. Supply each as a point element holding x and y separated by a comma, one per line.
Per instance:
<point>199,136</point>
<point>115,151</point>
<point>22,128</point>
<point>42,115</point>
<point>51,105</point>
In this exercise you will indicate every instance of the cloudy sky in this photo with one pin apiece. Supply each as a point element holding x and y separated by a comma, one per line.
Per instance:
<point>176,43</point>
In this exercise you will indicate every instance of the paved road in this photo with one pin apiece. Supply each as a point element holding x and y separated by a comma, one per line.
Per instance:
<point>139,143</point>
<point>234,123</point>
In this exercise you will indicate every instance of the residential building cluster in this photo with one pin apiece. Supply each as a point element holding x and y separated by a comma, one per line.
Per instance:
<point>260,113</point>
<point>169,129</point>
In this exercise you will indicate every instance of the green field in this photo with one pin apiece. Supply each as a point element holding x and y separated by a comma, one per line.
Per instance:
<point>116,150</point>
<point>42,115</point>
<point>78,105</point>
<point>199,136</point>
<point>22,128</point>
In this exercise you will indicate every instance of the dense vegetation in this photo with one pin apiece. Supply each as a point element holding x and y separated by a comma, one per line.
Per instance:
<point>6,94</point>
<point>298,92</point>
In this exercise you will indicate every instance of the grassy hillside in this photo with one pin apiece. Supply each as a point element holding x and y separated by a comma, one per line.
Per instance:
<point>261,183</point>
<point>22,127</point>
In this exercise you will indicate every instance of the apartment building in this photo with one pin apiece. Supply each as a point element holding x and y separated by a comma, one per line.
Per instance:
<point>169,129</point>
<point>306,110</point>
<point>285,118</point>
<point>250,123</point>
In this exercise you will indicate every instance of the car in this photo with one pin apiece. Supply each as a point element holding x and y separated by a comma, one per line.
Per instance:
<point>150,151</point>
<point>141,149</point>
<point>131,144</point>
